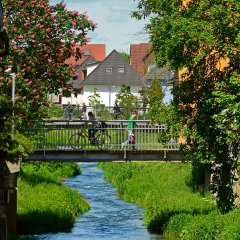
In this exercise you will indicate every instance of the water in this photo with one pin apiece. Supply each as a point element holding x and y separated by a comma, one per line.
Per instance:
<point>109,218</point>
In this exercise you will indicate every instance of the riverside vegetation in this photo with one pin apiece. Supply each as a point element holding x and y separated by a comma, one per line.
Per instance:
<point>44,203</point>
<point>171,206</point>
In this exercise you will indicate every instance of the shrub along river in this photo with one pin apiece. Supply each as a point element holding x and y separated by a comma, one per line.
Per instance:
<point>109,218</point>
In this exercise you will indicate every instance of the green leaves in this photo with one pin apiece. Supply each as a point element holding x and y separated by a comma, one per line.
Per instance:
<point>42,39</point>
<point>201,40</point>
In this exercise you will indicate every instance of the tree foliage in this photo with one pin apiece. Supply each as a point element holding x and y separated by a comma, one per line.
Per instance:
<point>95,98</point>
<point>198,36</point>
<point>126,56</point>
<point>127,100</point>
<point>41,37</point>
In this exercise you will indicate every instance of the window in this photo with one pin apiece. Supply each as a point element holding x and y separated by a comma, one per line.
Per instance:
<point>84,74</point>
<point>109,70</point>
<point>86,52</point>
<point>120,69</point>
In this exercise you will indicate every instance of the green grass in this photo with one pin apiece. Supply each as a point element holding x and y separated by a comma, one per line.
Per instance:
<point>171,207</point>
<point>160,188</point>
<point>44,204</point>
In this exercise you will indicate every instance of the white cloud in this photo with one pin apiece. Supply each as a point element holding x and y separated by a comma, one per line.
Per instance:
<point>115,27</point>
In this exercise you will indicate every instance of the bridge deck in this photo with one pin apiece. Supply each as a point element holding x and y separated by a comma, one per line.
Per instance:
<point>97,155</point>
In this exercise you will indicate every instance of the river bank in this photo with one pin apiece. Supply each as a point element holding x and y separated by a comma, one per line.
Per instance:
<point>44,203</point>
<point>171,207</point>
<point>108,218</point>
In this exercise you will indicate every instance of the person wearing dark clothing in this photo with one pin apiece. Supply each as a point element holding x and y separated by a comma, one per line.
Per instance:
<point>92,131</point>
<point>117,111</point>
<point>83,112</point>
<point>84,108</point>
<point>69,111</point>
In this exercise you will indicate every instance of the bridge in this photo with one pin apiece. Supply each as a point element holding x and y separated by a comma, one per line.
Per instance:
<point>99,141</point>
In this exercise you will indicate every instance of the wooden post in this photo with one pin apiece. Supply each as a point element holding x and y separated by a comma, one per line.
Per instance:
<point>8,199</point>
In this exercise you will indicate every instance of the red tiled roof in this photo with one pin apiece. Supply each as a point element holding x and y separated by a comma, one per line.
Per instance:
<point>98,51</point>
<point>137,54</point>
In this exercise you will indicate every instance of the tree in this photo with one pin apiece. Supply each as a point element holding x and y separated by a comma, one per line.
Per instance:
<point>94,98</point>
<point>126,56</point>
<point>41,37</point>
<point>126,100</point>
<point>198,36</point>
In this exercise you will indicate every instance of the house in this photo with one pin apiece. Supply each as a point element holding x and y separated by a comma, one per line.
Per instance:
<point>107,77</point>
<point>91,53</point>
<point>137,53</point>
<point>97,51</point>
<point>143,61</point>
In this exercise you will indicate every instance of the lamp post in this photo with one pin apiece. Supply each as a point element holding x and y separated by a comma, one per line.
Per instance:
<point>13,97</point>
<point>13,88</point>
<point>13,75</point>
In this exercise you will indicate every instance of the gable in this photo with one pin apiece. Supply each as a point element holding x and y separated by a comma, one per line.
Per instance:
<point>114,70</point>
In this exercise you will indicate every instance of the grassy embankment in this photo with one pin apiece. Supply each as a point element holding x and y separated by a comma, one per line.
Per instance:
<point>44,203</point>
<point>170,205</point>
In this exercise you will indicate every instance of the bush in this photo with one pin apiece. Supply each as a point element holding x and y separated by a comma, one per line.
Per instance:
<point>203,227</point>
<point>176,224</point>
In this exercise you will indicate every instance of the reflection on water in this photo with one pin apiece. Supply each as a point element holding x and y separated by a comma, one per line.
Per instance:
<point>109,217</point>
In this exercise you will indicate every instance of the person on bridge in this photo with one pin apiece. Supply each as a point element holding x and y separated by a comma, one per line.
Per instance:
<point>117,110</point>
<point>69,111</point>
<point>93,130</point>
<point>84,111</point>
<point>131,130</point>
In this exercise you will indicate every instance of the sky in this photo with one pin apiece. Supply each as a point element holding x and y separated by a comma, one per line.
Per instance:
<point>115,27</point>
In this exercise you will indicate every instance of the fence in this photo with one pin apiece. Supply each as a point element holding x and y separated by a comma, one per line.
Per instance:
<point>84,134</point>
<point>101,113</point>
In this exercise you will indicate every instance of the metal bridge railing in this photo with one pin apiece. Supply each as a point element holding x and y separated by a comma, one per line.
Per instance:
<point>89,135</point>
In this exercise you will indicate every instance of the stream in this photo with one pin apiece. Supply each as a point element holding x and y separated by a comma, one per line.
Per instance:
<point>109,218</point>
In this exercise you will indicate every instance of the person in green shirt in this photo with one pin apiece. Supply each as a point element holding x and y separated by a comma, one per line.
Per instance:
<point>131,130</point>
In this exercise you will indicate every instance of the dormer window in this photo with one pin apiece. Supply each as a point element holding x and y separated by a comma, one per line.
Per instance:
<point>109,70</point>
<point>86,52</point>
<point>120,69</point>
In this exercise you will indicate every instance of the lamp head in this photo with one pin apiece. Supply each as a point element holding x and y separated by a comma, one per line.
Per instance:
<point>8,71</point>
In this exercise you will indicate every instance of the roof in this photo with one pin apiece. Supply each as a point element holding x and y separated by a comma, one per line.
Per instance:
<point>138,53</point>
<point>88,61</point>
<point>114,60</point>
<point>97,51</point>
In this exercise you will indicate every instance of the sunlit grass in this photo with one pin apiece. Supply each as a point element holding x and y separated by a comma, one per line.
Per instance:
<point>160,188</point>
<point>44,204</point>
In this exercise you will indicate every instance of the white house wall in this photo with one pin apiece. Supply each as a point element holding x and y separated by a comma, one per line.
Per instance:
<point>107,93</point>
<point>91,68</point>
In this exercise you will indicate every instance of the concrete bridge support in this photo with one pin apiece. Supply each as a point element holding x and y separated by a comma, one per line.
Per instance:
<point>8,200</point>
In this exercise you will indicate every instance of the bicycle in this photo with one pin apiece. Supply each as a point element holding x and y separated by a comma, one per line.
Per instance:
<point>81,139</point>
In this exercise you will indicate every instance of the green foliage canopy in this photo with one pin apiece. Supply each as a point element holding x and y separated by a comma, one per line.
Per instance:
<point>41,37</point>
<point>198,36</point>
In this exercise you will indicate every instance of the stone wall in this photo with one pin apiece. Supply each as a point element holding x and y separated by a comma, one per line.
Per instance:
<point>8,202</point>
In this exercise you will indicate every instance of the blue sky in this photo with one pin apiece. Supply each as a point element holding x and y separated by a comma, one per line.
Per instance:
<point>115,27</point>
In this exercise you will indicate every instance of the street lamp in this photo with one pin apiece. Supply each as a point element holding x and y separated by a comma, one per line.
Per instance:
<point>13,75</point>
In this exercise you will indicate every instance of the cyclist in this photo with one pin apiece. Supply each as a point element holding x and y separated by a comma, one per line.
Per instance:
<point>92,131</point>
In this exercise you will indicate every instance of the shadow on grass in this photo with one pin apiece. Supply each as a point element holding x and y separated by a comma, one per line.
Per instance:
<point>43,222</point>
